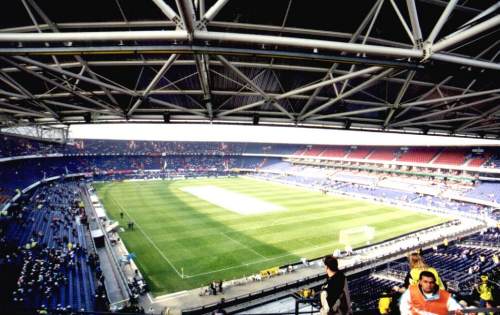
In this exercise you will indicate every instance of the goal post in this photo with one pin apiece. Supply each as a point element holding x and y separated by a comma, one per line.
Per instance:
<point>357,235</point>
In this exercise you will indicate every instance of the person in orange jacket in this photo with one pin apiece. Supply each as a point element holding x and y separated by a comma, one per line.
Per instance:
<point>427,298</point>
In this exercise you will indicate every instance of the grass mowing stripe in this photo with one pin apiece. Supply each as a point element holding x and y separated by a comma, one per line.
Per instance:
<point>190,229</point>
<point>149,239</point>
<point>249,248</point>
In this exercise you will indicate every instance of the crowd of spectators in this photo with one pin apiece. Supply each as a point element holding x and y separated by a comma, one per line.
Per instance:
<point>17,146</point>
<point>44,244</point>
<point>367,185</point>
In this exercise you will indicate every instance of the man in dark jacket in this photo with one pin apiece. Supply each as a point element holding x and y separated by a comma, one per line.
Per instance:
<point>334,294</point>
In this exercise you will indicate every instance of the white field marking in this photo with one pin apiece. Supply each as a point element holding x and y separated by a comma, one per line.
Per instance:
<point>257,261</point>
<point>300,251</point>
<point>249,248</point>
<point>230,200</point>
<point>170,296</point>
<point>150,240</point>
<point>241,265</point>
<point>149,298</point>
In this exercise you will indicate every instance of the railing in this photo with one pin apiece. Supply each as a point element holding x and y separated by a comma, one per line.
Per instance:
<point>32,311</point>
<point>122,281</point>
<point>315,279</point>
<point>488,244</point>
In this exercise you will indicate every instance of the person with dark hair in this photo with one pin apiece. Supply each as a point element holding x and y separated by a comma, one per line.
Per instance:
<point>334,295</point>
<point>219,286</point>
<point>417,265</point>
<point>220,310</point>
<point>213,289</point>
<point>427,298</point>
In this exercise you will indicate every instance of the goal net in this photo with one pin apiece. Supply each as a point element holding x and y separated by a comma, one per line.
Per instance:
<point>357,235</point>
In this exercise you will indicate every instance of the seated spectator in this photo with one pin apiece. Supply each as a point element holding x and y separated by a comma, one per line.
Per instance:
<point>384,303</point>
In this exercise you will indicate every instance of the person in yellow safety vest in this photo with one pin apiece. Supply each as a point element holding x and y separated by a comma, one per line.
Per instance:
<point>42,310</point>
<point>485,291</point>
<point>495,259</point>
<point>384,303</point>
<point>307,293</point>
<point>417,265</point>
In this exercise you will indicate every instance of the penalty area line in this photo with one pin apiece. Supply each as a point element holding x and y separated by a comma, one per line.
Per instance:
<point>245,246</point>
<point>294,253</point>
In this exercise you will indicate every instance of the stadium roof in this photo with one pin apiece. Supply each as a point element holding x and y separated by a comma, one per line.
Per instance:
<point>426,66</point>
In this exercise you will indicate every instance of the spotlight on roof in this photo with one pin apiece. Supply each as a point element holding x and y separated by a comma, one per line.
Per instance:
<point>347,124</point>
<point>87,118</point>
<point>255,119</point>
<point>166,118</point>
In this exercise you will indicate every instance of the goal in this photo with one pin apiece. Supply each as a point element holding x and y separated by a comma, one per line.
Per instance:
<point>357,235</point>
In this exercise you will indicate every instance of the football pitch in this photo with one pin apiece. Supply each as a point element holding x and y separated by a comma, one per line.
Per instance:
<point>190,232</point>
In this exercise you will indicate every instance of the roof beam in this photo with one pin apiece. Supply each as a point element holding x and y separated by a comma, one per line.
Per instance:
<point>399,98</point>
<point>169,13</point>
<point>7,79</point>
<point>402,123</point>
<point>484,13</point>
<point>74,75</point>
<point>73,106</point>
<point>440,23</point>
<point>180,35</point>
<point>212,12</point>
<point>153,83</point>
<point>188,15</point>
<point>352,91</point>
<point>368,32</point>
<point>483,116</point>
<point>25,111</point>
<point>255,87</point>
<point>302,89</point>
<point>63,87</point>
<point>180,108</point>
<point>282,67</point>
<point>348,113</point>
<point>94,36</point>
<point>466,34</point>
<point>83,63</point>
<point>415,24</point>
<point>353,38</point>
<point>462,8</point>
<point>451,98</point>
<point>403,22</point>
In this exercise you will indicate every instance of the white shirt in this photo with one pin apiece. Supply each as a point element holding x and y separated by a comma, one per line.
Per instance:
<point>405,305</point>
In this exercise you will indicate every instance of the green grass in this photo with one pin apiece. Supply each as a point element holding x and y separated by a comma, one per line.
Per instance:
<point>177,233</point>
